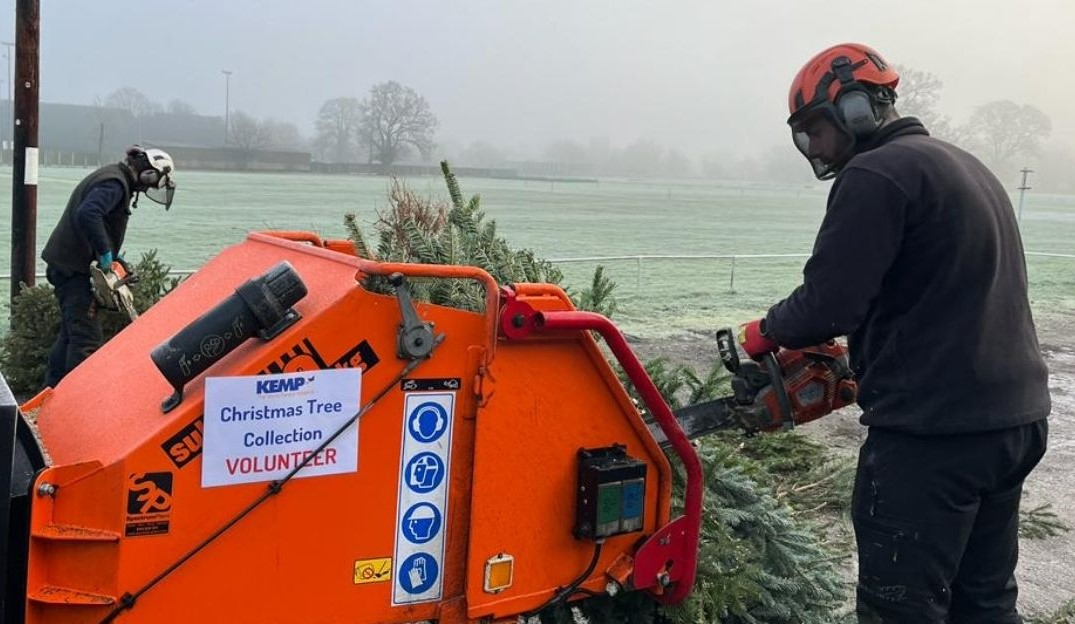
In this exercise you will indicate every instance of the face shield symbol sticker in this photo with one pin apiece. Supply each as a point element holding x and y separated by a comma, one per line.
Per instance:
<point>428,422</point>
<point>424,472</point>
<point>421,523</point>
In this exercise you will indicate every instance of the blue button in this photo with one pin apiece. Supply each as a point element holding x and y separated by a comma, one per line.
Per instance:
<point>634,494</point>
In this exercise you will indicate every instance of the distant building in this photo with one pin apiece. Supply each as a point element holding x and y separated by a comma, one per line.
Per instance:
<point>85,136</point>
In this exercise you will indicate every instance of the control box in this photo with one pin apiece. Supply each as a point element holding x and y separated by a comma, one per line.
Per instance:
<point>611,494</point>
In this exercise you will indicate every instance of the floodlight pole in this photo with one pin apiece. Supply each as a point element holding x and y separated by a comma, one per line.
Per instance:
<point>227,104</point>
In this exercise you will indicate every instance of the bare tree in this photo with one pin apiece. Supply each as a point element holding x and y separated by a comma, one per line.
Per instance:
<point>181,107</point>
<point>283,135</point>
<point>337,126</point>
<point>919,91</point>
<point>132,100</point>
<point>918,94</point>
<point>247,136</point>
<point>1003,130</point>
<point>395,119</point>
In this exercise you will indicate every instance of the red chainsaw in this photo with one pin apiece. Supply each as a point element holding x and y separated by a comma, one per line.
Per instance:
<point>782,390</point>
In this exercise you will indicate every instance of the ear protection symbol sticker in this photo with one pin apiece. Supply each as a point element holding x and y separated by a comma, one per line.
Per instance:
<point>428,422</point>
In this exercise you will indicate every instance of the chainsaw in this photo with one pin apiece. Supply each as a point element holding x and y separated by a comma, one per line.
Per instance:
<point>784,389</point>
<point>111,289</point>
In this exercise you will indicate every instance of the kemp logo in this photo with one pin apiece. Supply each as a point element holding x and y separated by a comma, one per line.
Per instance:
<point>276,386</point>
<point>184,446</point>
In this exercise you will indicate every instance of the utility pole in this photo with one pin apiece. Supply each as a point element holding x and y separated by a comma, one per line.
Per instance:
<point>227,104</point>
<point>1022,191</point>
<point>24,157</point>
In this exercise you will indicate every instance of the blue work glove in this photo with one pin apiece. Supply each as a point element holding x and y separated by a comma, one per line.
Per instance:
<point>104,261</point>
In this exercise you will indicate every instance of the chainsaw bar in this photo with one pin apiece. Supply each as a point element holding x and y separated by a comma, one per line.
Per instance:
<point>702,419</point>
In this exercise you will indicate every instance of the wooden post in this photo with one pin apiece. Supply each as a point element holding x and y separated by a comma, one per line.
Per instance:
<point>24,157</point>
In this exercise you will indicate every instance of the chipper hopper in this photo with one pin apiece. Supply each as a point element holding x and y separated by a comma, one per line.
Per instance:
<point>275,443</point>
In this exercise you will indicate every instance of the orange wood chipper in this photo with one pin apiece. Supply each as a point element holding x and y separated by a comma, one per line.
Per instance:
<point>274,443</point>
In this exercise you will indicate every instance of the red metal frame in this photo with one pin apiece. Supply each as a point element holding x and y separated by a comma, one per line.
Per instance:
<point>666,563</point>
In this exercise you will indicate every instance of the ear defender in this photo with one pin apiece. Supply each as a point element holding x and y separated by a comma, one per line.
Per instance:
<point>859,113</point>
<point>149,178</point>
<point>855,104</point>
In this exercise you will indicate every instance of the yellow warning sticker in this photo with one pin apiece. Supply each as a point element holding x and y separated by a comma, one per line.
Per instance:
<point>373,570</point>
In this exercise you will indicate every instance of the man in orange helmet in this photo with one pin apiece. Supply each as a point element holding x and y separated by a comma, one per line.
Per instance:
<point>919,262</point>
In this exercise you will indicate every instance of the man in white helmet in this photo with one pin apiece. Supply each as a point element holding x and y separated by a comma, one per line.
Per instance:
<point>91,229</point>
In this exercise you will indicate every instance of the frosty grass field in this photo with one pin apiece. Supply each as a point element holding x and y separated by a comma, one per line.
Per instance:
<point>559,221</point>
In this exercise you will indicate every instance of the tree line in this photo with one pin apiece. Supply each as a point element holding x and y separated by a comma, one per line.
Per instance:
<point>395,123</point>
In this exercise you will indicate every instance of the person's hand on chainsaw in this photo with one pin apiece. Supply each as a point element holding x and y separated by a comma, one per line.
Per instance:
<point>754,340</point>
<point>104,261</point>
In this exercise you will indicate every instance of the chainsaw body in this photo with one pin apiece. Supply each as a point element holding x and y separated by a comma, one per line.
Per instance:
<point>111,288</point>
<point>782,390</point>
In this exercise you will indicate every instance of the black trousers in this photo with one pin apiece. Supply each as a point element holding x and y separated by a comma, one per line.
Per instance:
<point>80,330</point>
<point>937,519</point>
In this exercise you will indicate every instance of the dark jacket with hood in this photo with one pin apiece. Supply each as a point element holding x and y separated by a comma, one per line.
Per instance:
<point>920,263</point>
<point>94,222</point>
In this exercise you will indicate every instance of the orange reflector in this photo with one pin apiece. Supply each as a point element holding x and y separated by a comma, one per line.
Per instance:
<point>498,573</point>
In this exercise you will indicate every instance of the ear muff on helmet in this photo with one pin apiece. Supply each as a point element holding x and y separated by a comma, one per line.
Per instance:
<point>144,173</point>
<point>855,104</point>
<point>858,112</point>
<point>149,178</point>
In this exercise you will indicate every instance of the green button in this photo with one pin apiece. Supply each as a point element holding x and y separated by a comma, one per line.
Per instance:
<point>608,503</point>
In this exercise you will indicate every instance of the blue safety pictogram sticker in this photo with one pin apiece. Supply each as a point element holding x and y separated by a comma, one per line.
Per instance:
<point>428,422</point>
<point>424,472</point>
<point>417,573</point>
<point>421,523</point>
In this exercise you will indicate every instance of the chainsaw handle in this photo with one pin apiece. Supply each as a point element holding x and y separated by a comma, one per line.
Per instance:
<point>726,349</point>
<point>776,380</point>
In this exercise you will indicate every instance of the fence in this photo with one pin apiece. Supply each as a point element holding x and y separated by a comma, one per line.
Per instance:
<point>639,258</point>
<point>638,261</point>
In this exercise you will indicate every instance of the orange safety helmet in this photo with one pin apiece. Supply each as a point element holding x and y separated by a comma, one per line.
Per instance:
<point>841,83</point>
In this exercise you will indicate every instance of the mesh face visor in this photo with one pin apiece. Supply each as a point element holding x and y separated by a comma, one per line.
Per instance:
<point>164,194</point>
<point>836,144</point>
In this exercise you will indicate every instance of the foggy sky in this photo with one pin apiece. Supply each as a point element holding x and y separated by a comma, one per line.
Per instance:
<point>706,77</point>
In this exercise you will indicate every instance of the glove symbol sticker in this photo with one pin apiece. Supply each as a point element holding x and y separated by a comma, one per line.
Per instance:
<point>424,472</point>
<point>417,573</point>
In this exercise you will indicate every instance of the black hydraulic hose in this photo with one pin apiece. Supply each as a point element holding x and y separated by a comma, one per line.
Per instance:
<point>573,587</point>
<point>128,599</point>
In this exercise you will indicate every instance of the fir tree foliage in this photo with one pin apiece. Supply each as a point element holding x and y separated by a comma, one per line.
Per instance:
<point>35,323</point>
<point>1041,522</point>
<point>1064,615</point>
<point>424,230</point>
<point>761,559</point>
